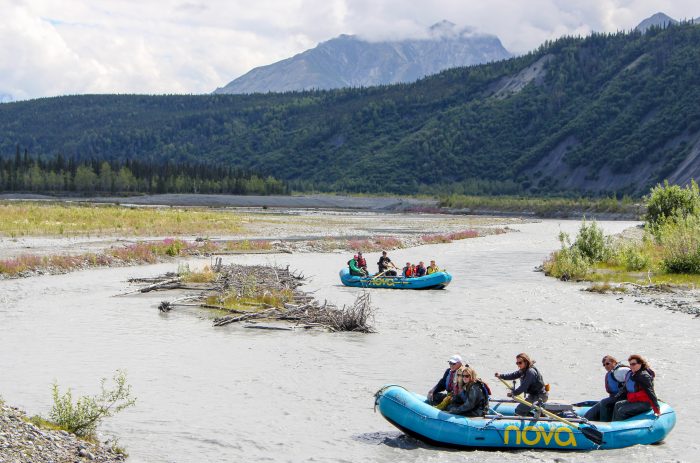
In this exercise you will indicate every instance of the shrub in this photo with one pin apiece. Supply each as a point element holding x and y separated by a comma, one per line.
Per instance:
<point>568,263</point>
<point>591,242</point>
<point>680,244</point>
<point>82,417</point>
<point>669,201</point>
<point>634,258</point>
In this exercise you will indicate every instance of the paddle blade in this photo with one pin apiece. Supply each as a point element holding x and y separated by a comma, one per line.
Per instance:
<point>592,434</point>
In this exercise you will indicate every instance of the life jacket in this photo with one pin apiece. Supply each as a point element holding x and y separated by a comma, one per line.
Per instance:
<point>538,387</point>
<point>612,385</point>
<point>407,272</point>
<point>635,393</point>
<point>361,262</point>
<point>484,405</point>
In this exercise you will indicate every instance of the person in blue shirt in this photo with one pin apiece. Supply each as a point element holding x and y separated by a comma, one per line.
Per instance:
<point>614,381</point>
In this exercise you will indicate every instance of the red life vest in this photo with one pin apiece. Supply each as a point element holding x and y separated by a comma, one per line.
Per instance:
<point>361,262</point>
<point>636,394</point>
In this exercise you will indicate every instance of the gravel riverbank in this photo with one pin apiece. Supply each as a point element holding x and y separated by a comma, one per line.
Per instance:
<point>21,441</point>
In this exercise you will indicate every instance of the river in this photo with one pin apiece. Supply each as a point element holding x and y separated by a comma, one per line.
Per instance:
<point>234,394</point>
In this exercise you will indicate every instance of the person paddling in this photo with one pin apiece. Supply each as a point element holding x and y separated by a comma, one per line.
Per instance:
<point>531,383</point>
<point>385,265</point>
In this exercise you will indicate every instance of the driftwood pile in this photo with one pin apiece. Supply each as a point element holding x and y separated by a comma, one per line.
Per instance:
<point>264,293</point>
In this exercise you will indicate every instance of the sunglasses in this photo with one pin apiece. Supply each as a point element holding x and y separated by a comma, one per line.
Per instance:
<point>520,362</point>
<point>607,363</point>
<point>634,363</point>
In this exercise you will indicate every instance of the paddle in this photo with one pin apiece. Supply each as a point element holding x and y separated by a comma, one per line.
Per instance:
<point>379,274</point>
<point>589,431</point>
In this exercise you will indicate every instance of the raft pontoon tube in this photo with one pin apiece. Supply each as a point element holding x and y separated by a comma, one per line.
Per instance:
<point>437,280</point>
<point>414,416</point>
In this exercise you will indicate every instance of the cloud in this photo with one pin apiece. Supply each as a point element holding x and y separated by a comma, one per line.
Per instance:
<point>192,46</point>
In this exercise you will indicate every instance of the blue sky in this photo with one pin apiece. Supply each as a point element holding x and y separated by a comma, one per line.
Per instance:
<point>54,48</point>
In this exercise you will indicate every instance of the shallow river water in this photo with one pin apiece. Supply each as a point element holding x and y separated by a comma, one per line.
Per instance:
<point>234,394</point>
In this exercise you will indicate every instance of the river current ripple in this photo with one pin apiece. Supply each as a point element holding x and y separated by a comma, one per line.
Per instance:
<point>234,394</point>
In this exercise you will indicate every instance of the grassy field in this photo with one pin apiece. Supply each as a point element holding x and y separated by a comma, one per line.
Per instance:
<point>61,219</point>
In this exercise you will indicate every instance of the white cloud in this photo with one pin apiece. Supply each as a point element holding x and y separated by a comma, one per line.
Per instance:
<point>193,46</point>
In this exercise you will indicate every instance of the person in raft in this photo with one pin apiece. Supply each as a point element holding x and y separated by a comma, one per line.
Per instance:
<point>420,269</point>
<point>531,383</point>
<point>385,265</point>
<point>354,269</point>
<point>432,268</point>
<point>444,385</point>
<point>408,270</point>
<point>614,381</point>
<point>362,263</point>
<point>472,395</point>
<point>638,395</point>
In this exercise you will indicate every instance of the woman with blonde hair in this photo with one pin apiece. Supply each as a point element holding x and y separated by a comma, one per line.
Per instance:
<point>471,397</point>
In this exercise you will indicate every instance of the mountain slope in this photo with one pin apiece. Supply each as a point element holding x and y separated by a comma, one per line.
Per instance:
<point>605,113</point>
<point>348,61</point>
<point>656,20</point>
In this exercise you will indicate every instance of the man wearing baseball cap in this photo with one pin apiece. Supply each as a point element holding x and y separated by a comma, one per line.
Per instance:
<point>440,390</point>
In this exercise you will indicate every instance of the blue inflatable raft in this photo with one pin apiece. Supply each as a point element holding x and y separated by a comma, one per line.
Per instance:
<point>411,414</point>
<point>437,280</point>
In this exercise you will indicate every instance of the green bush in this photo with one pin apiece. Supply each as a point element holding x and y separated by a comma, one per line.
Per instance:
<point>671,201</point>
<point>633,257</point>
<point>591,242</point>
<point>568,263</point>
<point>82,417</point>
<point>680,243</point>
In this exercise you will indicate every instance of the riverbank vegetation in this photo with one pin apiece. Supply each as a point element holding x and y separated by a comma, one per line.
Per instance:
<point>665,251</point>
<point>546,207</point>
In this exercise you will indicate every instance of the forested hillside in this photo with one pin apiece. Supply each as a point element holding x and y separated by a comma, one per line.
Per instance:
<point>601,114</point>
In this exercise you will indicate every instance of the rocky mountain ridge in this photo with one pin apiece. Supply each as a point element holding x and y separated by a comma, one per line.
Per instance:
<point>350,61</point>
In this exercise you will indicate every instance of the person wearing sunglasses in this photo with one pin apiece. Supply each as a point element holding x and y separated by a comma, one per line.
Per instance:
<point>638,395</point>
<point>471,397</point>
<point>614,381</point>
<point>531,383</point>
<point>438,393</point>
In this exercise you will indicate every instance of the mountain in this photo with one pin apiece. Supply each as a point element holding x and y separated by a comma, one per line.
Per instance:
<point>655,20</point>
<point>349,61</point>
<point>594,115</point>
<point>6,98</point>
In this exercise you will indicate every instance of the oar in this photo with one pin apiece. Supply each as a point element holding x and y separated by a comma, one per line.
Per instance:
<point>589,431</point>
<point>379,274</point>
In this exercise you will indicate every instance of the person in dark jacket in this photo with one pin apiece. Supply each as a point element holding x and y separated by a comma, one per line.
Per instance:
<point>444,385</point>
<point>471,398</point>
<point>531,383</point>
<point>386,266</point>
<point>638,395</point>
<point>614,381</point>
<point>420,269</point>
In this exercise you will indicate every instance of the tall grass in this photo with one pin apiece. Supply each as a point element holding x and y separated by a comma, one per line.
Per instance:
<point>57,219</point>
